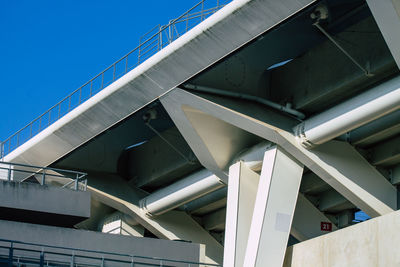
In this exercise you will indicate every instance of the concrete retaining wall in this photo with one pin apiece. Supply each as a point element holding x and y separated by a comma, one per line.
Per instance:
<point>368,244</point>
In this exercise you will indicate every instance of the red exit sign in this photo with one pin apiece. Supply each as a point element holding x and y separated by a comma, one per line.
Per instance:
<point>326,226</point>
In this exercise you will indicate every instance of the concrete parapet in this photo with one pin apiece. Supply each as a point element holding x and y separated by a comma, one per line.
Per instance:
<point>43,204</point>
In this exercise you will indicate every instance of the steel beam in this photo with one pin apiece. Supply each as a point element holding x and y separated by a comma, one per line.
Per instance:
<point>386,153</point>
<point>330,200</point>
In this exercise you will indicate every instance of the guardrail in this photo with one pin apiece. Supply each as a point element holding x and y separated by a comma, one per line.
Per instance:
<point>43,175</point>
<point>149,44</point>
<point>15,253</point>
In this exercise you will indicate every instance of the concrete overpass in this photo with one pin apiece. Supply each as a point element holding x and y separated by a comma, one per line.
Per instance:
<point>252,128</point>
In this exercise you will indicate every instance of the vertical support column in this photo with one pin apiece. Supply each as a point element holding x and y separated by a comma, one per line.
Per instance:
<point>387,16</point>
<point>242,189</point>
<point>273,209</point>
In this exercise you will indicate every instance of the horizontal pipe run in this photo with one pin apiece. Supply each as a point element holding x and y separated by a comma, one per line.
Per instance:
<point>349,115</point>
<point>196,185</point>
<point>181,192</point>
<point>257,99</point>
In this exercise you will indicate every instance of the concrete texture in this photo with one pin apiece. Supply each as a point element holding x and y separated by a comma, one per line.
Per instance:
<point>81,239</point>
<point>43,204</point>
<point>371,243</point>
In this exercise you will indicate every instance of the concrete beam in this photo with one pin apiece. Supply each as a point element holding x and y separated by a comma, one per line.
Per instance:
<point>337,163</point>
<point>174,225</point>
<point>387,16</point>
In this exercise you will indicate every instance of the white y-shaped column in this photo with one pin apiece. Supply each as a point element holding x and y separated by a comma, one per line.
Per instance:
<point>260,210</point>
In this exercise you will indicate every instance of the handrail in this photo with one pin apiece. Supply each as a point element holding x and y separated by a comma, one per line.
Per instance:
<point>92,253</point>
<point>92,87</point>
<point>13,169</point>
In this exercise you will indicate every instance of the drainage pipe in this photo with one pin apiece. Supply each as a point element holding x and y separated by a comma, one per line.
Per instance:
<point>195,185</point>
<point>181,192</point>
<point>351,114</point>
<point>257,99</point>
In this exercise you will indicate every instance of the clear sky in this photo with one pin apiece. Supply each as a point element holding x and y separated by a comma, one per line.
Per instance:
<point>48,48</point>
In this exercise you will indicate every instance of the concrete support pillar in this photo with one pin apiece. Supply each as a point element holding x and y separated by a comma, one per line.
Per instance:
<point>387,16</point>
<point>260,210</point>
<point>242,191</point>
<point>273,210</point>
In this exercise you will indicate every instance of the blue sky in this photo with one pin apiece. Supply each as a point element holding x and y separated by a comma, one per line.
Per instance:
<point>49,48</point>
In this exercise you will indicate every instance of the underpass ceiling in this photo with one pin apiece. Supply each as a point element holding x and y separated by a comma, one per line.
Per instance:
<point>246,71</point>
<point>101,154</point>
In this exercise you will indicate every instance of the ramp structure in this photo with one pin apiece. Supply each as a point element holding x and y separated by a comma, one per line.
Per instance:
<point>247,126</point>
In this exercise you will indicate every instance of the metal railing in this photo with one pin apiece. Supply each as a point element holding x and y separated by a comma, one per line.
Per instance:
<point>149,44</point>
<point>15,253</point>
<point>43,175</point>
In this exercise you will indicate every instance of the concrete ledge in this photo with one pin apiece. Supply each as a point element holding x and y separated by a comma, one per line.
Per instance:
<point>81,239</point>
<point>43,204</point>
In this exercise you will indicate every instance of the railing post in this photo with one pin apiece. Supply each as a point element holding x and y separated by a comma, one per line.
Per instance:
<point>161,41</point>
<point>132,262</point>
<point>102,261</point>
<point>41,261</point>
<point>72,260</point>
<point>169,33</point>
<point>76,182</point>
<point>90,91</point>
<point>11,255</point>
<point>44,177</point>
<point>1,151</point>
<point>85,185</point>
<point>9,174</point>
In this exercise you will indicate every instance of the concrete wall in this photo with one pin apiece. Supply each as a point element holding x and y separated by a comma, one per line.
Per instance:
<point>81,239</point>
<point>371,243</point>
<point>43,204</point>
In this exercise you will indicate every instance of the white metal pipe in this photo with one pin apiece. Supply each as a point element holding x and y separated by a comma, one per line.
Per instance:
<point>257,99</point>
<point>351,114</point>
<point>181,192</point>
<point>196,185</point>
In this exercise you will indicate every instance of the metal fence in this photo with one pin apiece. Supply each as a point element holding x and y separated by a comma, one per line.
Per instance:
<point>15,253</point>
<point>149,44</point>
<point>43,175</point>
